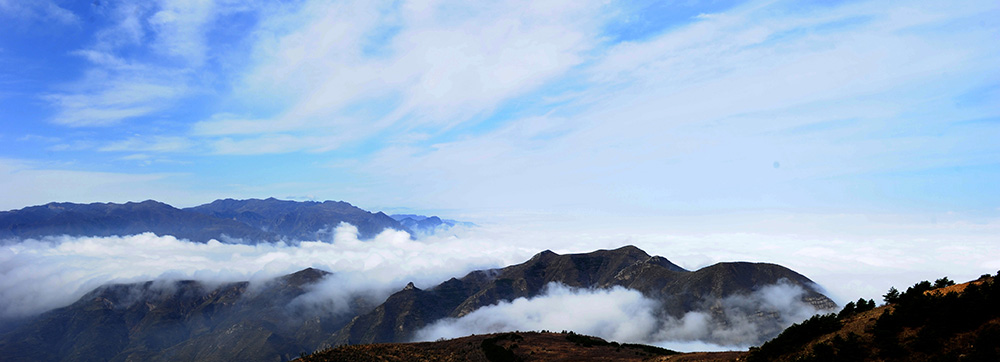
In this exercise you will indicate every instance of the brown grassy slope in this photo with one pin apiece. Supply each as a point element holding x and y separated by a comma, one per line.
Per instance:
<point>731,356</point>
<point>522,346</point>
<point>861,328</point>
<point>861,324</point>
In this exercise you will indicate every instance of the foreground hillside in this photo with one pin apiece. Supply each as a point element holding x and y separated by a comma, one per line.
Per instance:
<point>927,322</point>
<point>515,346</point>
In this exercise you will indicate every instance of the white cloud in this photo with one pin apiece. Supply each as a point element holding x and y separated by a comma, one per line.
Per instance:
<point>36,10</point>
<point>107,96</point>
<point>625,315</point>
<point>123,84</point>
<point>159,144</point>
<point>618,314</point>
<point>358,69</point>
<point>180,28</point>
<point>695,117</point>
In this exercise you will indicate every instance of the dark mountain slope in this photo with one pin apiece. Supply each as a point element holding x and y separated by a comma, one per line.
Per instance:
<point>679,290</point>
<point>99,219</point>
<point>171,321</point>
<point>299,220</point>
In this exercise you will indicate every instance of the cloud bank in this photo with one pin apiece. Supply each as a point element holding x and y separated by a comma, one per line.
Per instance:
<point>38,275</point>
<point>861,261</point>
<point>625,315</point>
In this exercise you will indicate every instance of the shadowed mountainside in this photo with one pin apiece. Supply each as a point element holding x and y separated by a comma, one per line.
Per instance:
<point>177,321</point>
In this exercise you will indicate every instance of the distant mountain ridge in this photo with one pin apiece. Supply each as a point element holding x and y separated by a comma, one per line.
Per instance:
<point>299,220</point>
<point>187,320</point>
<point>237,221</point>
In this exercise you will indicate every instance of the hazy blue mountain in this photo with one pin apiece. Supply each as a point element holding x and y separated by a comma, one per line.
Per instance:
<point>109,219</point>
<point>246,221</point>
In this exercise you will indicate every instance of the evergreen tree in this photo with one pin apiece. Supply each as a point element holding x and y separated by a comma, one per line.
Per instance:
<point>892,296</point>
<point>943,282</point>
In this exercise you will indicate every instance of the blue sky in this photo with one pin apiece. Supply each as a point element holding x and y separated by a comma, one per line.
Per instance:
<point>620,108</point>
<point>852,141</point>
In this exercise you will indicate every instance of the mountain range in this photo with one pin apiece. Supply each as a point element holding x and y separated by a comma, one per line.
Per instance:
<point>191,320</point>
<point>232,221</point>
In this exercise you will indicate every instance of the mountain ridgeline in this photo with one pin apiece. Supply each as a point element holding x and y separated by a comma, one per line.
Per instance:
<point>189,320</point>
<point>233,221</point>
<point>677,290</point>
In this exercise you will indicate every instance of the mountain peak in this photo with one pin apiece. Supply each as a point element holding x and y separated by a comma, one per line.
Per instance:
<point>306,276</point>
<point>631,250</point>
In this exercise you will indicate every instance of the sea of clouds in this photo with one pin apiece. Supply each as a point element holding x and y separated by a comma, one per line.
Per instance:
<point>39,275</point>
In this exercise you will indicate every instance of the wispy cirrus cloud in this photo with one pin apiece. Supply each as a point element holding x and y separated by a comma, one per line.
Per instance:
<point>37,10</point>
<point>41,182</point>
<point>842,96</point>
<point>107,98</point>
<point>158,144</point>
<point>363,69</point>
<point>141,62</point>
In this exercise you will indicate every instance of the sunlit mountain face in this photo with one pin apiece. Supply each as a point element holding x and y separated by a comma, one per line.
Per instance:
<point>701,173</point>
